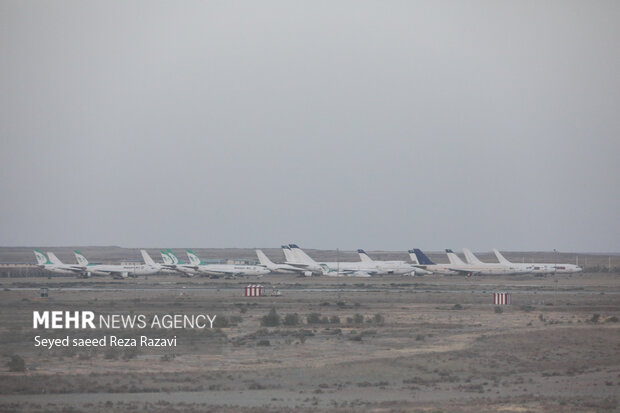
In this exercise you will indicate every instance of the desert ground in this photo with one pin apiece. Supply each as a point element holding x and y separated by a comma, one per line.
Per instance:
<point>393,343</point>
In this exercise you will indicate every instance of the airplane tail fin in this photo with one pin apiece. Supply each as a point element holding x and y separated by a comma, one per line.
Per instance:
<point>363,256</point>
<point>500,257</point>
<point>53,258</point>
<point>42,259</point>
<point>288,254</point>
<point>167,259</point>
<point>326,270</point>
<point>264,260</point>
<point>470,257</point>
<point>147,258</point>
<point>173,257</point>
<point>300,255</point>
<point>454,259</point>
<point>413,258</point>
<point>81,259</point>
<point>193,258</point>
<point>422,258</point>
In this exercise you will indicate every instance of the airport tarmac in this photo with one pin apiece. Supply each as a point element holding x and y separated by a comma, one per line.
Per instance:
<point>389,344</point>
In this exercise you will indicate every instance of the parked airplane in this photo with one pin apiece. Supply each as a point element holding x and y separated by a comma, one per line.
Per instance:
<point>488,268</point>
<point>391,267</point>
<point>116,271</point>
<point>457,266</point>
<point>149,261</point>
<point>53,264</point>
<point>355,269</point>
<point>422,261</point>
<point>330,272</point>
<point>540,268</point>
<point>266,262</point>
<point>291,257</point>
<point>172,262</point>
<point>225,269</point>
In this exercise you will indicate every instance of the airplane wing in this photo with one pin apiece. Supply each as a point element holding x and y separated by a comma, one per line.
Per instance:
<point>114,272</point>
<point>296,269</point>
<point>358,273</point>
<point>221,271</point>
<point>179,266</point>
<point>462,271</point>
<point>76,269</point>
<point>184,269</point>
<point>297,264</point>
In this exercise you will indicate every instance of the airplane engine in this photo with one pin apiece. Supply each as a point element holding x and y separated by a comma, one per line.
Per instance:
<point>308,273</point>
<point>124,274</point>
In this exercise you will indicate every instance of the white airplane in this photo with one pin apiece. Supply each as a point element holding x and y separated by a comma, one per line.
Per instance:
<point>353,269</point>
<point>392,267</point>
<point>53,264</point>
<point>457,266</point>
<point>289,256</point>
<point>489,268</point>
<point>420,260</point>
<point>149,261</point>
<point>540,268</point>
<point>116,271</point>
<point>330,272</point>
<point>225,269</point>
<point>266,262</point>
<point>172,263</point>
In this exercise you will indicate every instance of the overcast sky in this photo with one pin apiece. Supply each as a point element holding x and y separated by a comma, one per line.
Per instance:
<point>350,124</point>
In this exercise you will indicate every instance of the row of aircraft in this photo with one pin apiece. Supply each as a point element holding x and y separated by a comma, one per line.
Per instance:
<point>473,266</point>
<point>170,264</point>
<point>298,262</point>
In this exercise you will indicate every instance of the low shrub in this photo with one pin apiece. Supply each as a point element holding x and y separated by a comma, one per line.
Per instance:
<point>221,322</point>
<point>16,364</point>
<point>291,319</point>
<point>313,318</point>
<point>272,319</point>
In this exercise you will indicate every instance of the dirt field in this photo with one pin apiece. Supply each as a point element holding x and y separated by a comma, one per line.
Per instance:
<point>386,344</point>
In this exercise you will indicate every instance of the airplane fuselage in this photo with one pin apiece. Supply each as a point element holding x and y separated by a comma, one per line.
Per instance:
<point>546,268</point>
<point>121,271</point>
<point>233,269</point>
<point>57,269</point>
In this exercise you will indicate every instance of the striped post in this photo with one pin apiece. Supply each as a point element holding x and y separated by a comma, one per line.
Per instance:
<point>253,290</point>
<point>501,298</point>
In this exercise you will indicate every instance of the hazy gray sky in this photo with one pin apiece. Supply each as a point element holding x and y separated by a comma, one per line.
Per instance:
<point>382,125</point>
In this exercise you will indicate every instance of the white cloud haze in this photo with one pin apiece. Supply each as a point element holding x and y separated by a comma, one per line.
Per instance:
<point>379,125</point>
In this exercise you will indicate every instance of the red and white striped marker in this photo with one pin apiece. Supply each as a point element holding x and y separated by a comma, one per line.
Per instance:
<point>253,290</point>
<point>501,298</point>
